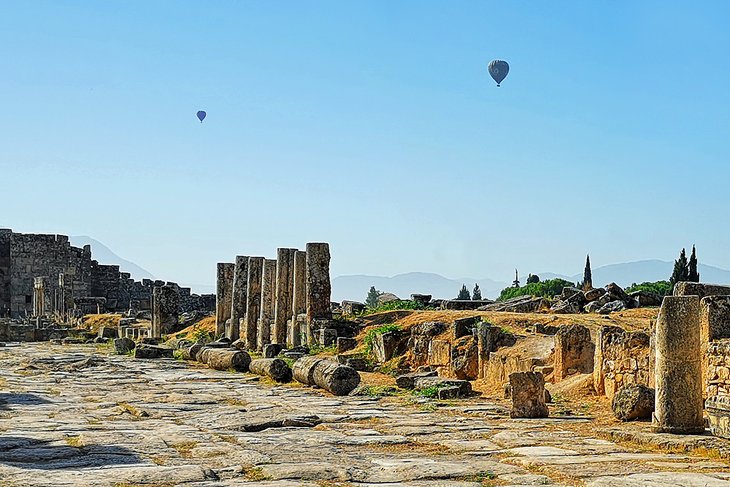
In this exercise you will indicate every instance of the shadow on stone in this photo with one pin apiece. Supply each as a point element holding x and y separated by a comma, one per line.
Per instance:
<point>8,398</point>
<point>31,453</point>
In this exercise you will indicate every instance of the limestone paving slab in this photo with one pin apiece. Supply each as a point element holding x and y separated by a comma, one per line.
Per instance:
<point>76,415</point>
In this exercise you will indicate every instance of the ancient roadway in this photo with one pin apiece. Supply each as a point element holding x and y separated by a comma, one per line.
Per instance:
<point>76,415</point>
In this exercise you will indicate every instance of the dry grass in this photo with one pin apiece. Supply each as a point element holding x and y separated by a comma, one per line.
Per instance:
<point>410,447</point>
<point>94,322</point>
<point>206,324</point>
<point>184,448</point>
<point>74,441</point>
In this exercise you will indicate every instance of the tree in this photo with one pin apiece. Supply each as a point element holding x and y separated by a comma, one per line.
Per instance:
<point>681,269</point>
<point>587,277</point>
<point>476,294</point>
<point>372,300</point>
<point>533,278</point>
<point>464,293</point>
<point>692,274</point>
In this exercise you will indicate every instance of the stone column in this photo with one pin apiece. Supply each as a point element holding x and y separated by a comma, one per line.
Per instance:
<point>39,296</point>
<point>487,336</point>
<point>253,300</point>
<point>678,373</point>
<point>268,301</point>
<point>319,289</point>
<point>165,310</point>
<point>284,291</point>
<point>238,295</point>
<point>299,301</point>
<point>224,290</point>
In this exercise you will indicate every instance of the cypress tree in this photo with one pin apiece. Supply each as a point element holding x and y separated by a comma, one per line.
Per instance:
<point>692,274</point>
<point>587,276</point>
<point>464,293</point>
<point>476,295</point>
<point>681,269</point>
<point>372,300</point>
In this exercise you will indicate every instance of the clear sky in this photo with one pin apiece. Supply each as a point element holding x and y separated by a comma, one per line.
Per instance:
<point>370,125</point>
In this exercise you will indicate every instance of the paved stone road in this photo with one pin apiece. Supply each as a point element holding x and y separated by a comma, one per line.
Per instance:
<point>78,416</point>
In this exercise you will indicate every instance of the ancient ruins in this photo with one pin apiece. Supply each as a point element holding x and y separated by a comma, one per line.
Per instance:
<point>508,384</point>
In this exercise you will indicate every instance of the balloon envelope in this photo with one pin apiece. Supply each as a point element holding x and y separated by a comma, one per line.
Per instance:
<point>201,116</point>
<point>498,70</point>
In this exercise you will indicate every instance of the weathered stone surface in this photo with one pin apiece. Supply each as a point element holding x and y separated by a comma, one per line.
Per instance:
<point>464,304</point>
<point>388,345</point>
<point>718,413</point>
<point>700,289</point>
<point>152,351</point>
<point>238,295</point>
<point>165,310</point>
<point>464,326</point>
<point>573,350</point>
<point>440,383</point>
<point>622,358</point>
<point>224,359</point>
<point>345,344</point>
<point>387,298</point>
<point>319,289</point>
<point>123,345</point>
<point>611,307</point>
<point>422,299</point>
<point>299,298</point>
<point>191,352</point>
<point>633,402</point>
<point>108,332</point>
<point>253,304</point>
<point>264,332</point>
<point>564,307</point>
<point>275,368</point>
<point>520,304</point>
<point>331,376</point>
<point>223,295</point>
<point>271,350</point>
<point>528,395</point>
<point>646,298</point>
<point>678,367</point>
<point>327,337</point>
<point>408,381</point>
<point>284,293</point>
<point>465,358</point>
<point>593,294</point>
<point>616,293</point>
<point>352,307</point>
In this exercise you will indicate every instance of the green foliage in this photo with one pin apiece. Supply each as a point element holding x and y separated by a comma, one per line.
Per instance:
<point>548,288</point>
<point>430,392</point>
<point>681,269</point>
<point>464,293</point>
<point>397,304</point>
<point>533,278</point>
<point>372,300</point>
<point>379,391</point>
<point>200,335</point>
<point>587,275</point>
<point>662,288</point>
<point>316,350</point>
<point>476,294</point>
<point>374,332</point>
<point>692,274</point>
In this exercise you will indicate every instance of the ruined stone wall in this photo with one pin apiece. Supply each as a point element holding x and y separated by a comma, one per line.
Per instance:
<point>5,235</point>
<point>718,368</point>
<point>621,358</point>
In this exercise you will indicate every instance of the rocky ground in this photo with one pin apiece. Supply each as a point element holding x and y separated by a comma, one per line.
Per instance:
<point>76,415</point>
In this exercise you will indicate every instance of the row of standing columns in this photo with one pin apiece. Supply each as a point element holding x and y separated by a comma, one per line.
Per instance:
<point>262,301</point>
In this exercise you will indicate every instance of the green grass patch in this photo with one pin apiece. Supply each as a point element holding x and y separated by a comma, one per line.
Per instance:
<point>374,332</point>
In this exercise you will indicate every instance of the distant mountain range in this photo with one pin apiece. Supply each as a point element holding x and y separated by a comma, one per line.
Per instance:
<point>104,255</point>
<point>356,287</point>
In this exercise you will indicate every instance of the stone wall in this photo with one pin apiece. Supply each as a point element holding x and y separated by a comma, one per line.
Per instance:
<point>718,368</point>
<point>72,279</point>
<point>621,358</point>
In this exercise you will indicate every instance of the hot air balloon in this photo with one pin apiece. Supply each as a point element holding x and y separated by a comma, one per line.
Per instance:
<point>201,116</point>
<point>498,70</point>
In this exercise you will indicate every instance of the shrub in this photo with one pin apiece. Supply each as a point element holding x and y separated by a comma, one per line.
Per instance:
<point>662,288</point>
<point>397,304</point>
<point>548,289</point>
<point>373,332</point>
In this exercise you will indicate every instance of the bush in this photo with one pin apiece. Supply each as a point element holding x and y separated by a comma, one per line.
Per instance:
<point>373,332</point>
<point>662,288</point>
<point>547,289</point>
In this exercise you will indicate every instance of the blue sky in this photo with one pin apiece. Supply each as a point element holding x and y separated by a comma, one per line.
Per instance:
<point>373,126</point>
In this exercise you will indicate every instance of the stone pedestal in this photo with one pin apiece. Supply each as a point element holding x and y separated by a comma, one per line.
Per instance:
<point>238,295</point>
<point>528,395</point>
<point>253,301</point>
<point>223,295</point>
<point>299,296</point>
<point>319,289</point>
<point>678,366</point>
<point>267,303</point>
<point>718,413</point>
<point>165,310</point>
<point>284,292</point>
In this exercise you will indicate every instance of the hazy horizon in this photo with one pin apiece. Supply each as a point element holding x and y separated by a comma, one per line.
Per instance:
<point>373,126</point>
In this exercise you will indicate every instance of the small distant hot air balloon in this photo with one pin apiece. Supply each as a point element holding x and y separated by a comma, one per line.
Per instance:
<point>498,70</point>
<point>201,116</point>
